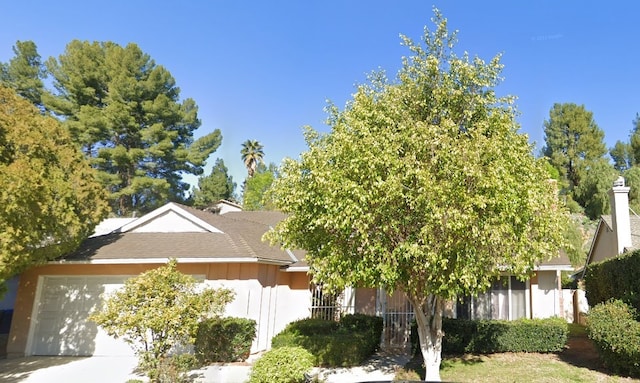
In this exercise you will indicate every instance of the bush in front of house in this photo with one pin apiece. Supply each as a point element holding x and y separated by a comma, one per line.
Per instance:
<point>615,331</point>
<point>282,365</point>
<point>614,278</point>
<point>224,339</point>
<point>334,344</point>
<point>495,336</point>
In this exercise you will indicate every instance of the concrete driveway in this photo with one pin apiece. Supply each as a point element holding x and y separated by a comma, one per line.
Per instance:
<point>50,369</point>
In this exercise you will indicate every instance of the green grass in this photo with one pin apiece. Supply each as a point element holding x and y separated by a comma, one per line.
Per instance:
<point>511,368</point>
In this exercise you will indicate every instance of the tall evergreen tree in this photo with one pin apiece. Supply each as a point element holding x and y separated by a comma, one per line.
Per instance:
<point>622,155</point>
<point>125,112</point>
<point>571,137</point>
<point>24,72</point>
<point>214,187</point>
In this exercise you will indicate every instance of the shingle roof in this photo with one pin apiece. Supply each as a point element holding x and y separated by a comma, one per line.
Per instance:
<point>241,239</point>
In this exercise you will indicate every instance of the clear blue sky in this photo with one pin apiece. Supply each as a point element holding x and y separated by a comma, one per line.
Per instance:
<point>263,69</point>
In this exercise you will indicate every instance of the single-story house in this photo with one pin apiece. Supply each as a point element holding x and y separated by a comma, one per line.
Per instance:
<point>53,301</point>
<point>618,232</point>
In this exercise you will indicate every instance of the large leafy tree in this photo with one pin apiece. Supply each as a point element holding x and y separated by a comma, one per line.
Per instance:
<point>571,138</point>
<point>252,155</point>
<point>622,155</point>
<point>423,185</point>
<point>158,310</point>
<point>214,187</point>
<point>125,112</point>
<point>50,197</point>
<point>24,72</point>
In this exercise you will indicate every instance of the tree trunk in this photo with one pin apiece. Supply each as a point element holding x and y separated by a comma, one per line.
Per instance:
<point>429,321</point>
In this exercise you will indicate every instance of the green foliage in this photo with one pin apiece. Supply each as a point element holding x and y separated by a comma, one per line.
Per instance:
<point>423,184</point>
<point>50,198</point>
<point>224,339</point>
<point>252,154</point>
<point>256,188</point>
<point>614,329</point>
<point>282,365</point>
<point>495,336</point>
<point>24,72</point>
<point>126,114</point>
<point>158,310</point>
<point>622,156</point>
<point>615,278</point>
<point>216,186</point>
<point>632,180</point>
<point>592,192</point>
<point>346,343</point>
<point>571,138</point>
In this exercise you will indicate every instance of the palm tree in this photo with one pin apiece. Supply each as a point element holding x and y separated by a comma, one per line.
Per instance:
<point>252,155</point>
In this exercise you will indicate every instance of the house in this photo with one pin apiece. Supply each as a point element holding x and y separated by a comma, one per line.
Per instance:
<point>540,296</point>
<point>53,301</point>
<point>272,286</point>
<point>616,233</point>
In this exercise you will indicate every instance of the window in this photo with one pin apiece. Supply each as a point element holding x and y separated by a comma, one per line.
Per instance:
<point>505,300</point>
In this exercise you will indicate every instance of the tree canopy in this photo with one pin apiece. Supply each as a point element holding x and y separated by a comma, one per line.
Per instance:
<point>50,197</point>
<point>252,155</point>
<point>571,138</point>
<point>255,194</point>
<point>423,185</point>
<point>24,72</point>
<point>214,187</point>
<point>126,114</point>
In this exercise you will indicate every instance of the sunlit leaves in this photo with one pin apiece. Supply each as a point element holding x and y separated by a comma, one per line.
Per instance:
<point>423,184</point>
<point>50,197</point>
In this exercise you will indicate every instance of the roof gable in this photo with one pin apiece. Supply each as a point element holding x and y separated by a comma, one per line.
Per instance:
<point>170,218</point>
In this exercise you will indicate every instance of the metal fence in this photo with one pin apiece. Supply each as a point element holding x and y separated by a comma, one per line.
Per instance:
<point>397,315</point>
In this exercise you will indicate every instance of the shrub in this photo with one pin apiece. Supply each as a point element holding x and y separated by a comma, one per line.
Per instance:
<point>494,336</point>
<point>616,333</point>
<point>614,278</point>
<point>282,365</point>
<point>344,343</point>
<point>224,339</point>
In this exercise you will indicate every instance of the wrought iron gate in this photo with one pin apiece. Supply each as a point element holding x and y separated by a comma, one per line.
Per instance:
<point>397,315</point>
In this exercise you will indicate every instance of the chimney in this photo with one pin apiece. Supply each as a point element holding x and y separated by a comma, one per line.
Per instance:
<point>619,196</point>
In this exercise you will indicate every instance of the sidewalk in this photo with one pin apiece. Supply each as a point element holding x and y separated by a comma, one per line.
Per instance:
<point>381,366</point>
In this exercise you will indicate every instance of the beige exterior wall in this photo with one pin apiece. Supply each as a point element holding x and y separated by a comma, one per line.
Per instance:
<point>263,292</point>
<point>604,246</point>
<point>366,301</point>
<point>545,298</point>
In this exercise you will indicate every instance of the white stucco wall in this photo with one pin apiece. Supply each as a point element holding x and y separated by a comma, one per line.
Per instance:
<point>544,295</point>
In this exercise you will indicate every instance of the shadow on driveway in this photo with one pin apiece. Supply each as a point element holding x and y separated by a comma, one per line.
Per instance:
<point>48,369</point>
<point>18,369</point>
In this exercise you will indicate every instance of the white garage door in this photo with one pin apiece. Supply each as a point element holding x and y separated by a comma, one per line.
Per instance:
<point>61,325</point>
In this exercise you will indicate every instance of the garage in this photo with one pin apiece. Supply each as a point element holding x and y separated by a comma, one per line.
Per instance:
<point>61,325</point>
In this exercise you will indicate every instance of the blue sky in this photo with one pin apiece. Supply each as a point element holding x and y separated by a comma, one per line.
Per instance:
<point>264,69</point>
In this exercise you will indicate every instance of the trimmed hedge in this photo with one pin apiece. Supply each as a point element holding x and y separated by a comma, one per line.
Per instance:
<point>282,365</point>
<point>224,339</point>
<point>495,336</point>
<point>334,344</point>
<point>615,278</point>
<point>616,333</point>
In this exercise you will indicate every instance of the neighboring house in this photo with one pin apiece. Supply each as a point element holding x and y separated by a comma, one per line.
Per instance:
<point>53,301</point>
<point>616,233</point>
